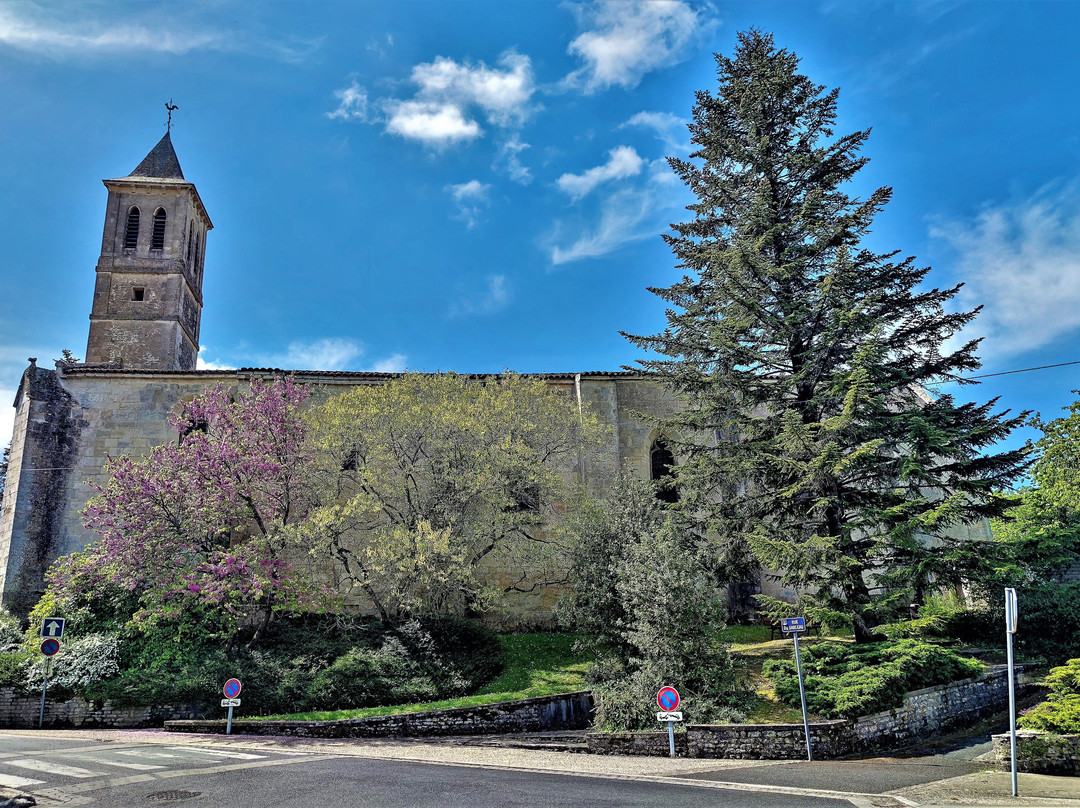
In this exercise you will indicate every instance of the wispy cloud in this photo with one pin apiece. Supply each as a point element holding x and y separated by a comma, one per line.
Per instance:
<point>60,32</point>
<point>622,162</point>
<point>353,104</point>
<point>471,198</point>
<point>1021,260</point>
<point>392,364</point>
<point>510,157</point>
<point>671,129</point>
<point>495,296</point>
<point>625,39</point>
<point>453,95</point>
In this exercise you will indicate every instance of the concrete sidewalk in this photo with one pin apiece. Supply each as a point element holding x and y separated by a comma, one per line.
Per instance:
<point>866,788</point>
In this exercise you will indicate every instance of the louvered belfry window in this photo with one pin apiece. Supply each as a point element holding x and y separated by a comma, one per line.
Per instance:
<point>131,233</point>
<point>157,240</point>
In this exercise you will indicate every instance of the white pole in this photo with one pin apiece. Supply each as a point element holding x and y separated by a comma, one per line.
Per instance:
<point>228,726</point>
<point>44,688</point>
<point>802,696</point>
<point>671,736</point>
<point>1010,627</point>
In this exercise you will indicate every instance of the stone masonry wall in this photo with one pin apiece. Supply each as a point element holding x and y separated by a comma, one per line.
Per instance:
<point>20,712</point>
<point>925,713</point>
<point>1040,753</point>
<point>566,711</point>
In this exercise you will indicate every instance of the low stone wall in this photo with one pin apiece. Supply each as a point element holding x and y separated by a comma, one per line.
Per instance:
<point>925,713</point>
<point>1040,753</point>
<point>20,712</point>
<point>829,739</point>
<point>654,744</point>
<point>565,711</point>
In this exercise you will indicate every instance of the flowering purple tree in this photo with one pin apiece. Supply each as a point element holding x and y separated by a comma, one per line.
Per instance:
<point>211,522</point>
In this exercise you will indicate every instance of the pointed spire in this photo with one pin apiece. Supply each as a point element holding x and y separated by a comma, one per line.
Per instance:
<point>161,163</point>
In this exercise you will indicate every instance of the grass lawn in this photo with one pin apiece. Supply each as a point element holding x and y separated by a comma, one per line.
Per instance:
<point>536,665</point>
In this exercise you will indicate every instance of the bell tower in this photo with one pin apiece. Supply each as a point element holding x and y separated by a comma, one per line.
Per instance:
<point>148,294</point>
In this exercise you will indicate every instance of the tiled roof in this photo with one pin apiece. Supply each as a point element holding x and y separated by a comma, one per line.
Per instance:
<point>161,163</point>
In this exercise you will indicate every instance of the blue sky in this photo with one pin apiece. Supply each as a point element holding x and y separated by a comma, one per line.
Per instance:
<point>475,186</point>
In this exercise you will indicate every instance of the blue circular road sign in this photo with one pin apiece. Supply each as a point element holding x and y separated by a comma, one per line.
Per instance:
<point>668,698</point>
<point>50,646</point>
<point>231,689</point>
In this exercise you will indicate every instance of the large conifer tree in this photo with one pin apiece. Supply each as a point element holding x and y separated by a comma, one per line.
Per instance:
<point>802,356</point>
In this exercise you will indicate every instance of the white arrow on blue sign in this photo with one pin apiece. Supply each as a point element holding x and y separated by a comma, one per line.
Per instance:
<point>52,627</point>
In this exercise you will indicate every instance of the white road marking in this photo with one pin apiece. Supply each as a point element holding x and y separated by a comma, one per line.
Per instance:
<point>98,760</point>
<point>217,752</point>
<point>11,781</point>
<point>144,753</point>
<point>51,768</point>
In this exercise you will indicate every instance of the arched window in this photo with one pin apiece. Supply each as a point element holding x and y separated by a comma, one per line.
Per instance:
<point>157,238</point>
<point>190,238</point>
<point>661,462</point>
<point>131,232</point>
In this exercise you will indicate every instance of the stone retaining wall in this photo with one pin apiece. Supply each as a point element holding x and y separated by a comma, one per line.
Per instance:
<point>653,744</point>
<point>925,713</point>
<point>1040,753</point>
<point>565,711</point>
<point>23,711</point>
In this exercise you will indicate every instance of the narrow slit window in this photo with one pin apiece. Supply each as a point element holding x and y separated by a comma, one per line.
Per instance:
<point>195,265</point>
<point>137,293</point>
<point>190,238</point>
<point>661,462</point>
<point>131,232</point>
<point>157,240</point>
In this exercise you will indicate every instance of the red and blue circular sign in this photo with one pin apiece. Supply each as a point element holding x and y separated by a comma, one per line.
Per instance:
<point>231,689</point>
<point>50,646</point>
<point>668,698</point>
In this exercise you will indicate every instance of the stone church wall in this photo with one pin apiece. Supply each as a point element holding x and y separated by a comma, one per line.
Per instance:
<point>73,419</point>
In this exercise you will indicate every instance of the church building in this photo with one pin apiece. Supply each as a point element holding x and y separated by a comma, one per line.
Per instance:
<point>141,365</point>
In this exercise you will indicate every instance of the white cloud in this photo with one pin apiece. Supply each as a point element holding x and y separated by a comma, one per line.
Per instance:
<point>509,155</point>
<point>622,162</point>
<point>627,215</point>
<point>431,123</point>
<point>628,38</point>
<point>671,129</point>
<point>471,198</point>
<point>7,415</point>
<point>494,297</point>
<point>332,353</point>
<point>392,364</point>
<point>353,104</point>
<point>61,31</point>
<point>451,94</point>
<point>1021,260</point>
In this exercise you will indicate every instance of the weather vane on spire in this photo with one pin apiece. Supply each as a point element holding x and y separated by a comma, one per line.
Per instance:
<point>170,106</point>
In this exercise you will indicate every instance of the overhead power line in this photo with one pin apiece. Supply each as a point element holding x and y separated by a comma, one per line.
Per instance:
<point>1009,372</point>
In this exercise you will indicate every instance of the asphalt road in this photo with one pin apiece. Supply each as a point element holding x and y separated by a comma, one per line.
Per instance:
<point>74,772</point>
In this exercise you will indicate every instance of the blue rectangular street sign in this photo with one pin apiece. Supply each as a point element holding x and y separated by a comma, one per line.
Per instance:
<point>793,624</point>
<point>52,627</point>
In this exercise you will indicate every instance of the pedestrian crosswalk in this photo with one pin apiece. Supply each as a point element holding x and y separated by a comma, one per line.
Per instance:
<point>36,771</point>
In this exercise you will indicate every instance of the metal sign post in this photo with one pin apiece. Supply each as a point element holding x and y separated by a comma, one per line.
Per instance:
<point>668,699</point>
<point>1012,615</point>
<point>49,648</point>
<point>795,626</point>
<point>231,691</point>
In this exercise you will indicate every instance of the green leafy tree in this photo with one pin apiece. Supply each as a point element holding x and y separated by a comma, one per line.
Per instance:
<point>446,492</point>
<point>646,603</point>
<point>801,353</point>
<point>1041,537</point>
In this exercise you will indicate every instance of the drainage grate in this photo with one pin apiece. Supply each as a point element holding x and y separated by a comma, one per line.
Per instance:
<point>172,796</point>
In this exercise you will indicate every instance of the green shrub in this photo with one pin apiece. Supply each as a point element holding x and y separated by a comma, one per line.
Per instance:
<point>1056,715</point>
<point>11,635</point>
<point>13,665</point>
<point>853,680</point>
<point>1060,713</point>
